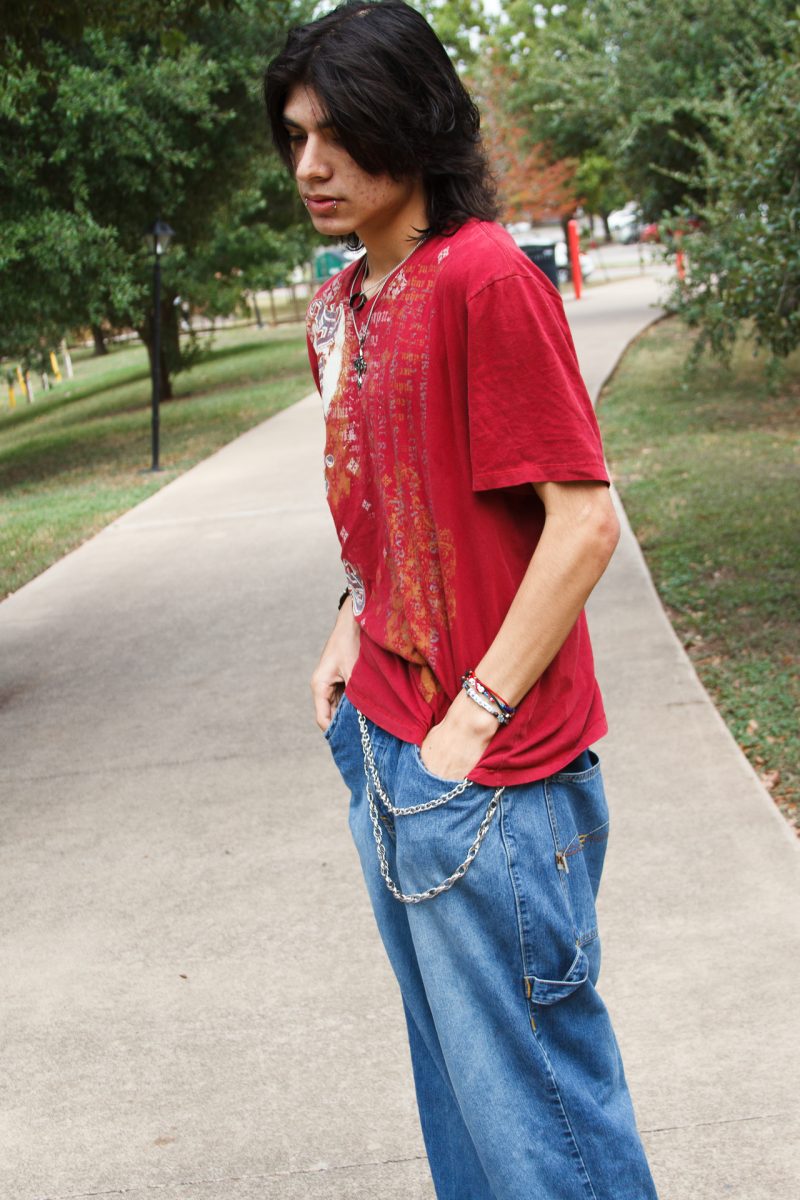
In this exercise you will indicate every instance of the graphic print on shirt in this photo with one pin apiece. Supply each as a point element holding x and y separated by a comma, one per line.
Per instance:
<point>328,336</point>
<point>376,467</point>
<point>356,585</point>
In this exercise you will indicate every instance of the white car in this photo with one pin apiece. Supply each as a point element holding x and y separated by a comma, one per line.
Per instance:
<point>626,222</point>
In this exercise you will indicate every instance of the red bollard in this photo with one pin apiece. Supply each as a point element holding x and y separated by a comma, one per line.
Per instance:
<point>680,262</point>
<point>575,257</point>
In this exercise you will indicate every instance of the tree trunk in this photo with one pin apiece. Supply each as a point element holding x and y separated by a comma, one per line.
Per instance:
<point>257,311</point>
<point>604,216</point>
<point>100,346</point>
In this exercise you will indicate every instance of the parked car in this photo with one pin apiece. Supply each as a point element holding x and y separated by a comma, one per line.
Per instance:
<point>653,232</point>
<point>625,223</point>
<point>532,247</point>
<point>650,232</point>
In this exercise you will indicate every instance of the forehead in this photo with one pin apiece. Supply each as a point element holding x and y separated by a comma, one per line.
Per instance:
<point>303,107</point>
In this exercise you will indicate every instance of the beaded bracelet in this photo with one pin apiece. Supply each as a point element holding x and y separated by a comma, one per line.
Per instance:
<point>480,687</point>
<point>484,704</point>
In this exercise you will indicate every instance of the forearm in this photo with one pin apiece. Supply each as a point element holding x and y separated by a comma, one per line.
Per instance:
<point>578,539</point>
<point>572,554</point>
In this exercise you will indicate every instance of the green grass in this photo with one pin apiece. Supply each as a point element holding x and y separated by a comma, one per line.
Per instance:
<point>76,458</point>
<point>707,467</point>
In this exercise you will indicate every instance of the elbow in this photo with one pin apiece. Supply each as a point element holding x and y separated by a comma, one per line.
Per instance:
<point>610,530</point>
<point>604,534</point>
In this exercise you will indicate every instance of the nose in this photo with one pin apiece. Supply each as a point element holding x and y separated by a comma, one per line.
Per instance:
<point>311,161</point>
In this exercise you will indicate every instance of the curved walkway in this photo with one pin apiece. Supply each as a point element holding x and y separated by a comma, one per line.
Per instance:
<point>195,1004</point>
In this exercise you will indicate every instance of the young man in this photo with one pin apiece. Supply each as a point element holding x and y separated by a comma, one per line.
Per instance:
<point>465,476</point>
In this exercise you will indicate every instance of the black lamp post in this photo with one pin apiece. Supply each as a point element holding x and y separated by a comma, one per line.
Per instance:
<point>157,240</point>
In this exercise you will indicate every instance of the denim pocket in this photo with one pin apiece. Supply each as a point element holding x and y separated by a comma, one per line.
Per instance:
<point>416,754</point>
<point>337,713</point>
<point>578,816</point>
<point>554,833</point>
<point>582,776</point>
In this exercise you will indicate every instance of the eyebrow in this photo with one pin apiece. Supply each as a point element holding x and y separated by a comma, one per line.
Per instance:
<point>326,124</point>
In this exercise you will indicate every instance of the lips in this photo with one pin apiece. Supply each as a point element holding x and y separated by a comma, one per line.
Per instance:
<point>321,204</point>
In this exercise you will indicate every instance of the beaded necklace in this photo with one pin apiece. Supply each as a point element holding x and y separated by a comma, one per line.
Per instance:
<point>357,300</point>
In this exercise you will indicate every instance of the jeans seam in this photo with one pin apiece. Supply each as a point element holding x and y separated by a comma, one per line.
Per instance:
<point>592,1194</point>
<point>507,838</point>
<point>553,821</point>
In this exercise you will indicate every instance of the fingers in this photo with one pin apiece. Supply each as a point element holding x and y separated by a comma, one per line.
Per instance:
<point>326,695</point>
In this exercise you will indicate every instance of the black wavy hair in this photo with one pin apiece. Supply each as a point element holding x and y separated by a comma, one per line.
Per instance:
<point>396,102</point>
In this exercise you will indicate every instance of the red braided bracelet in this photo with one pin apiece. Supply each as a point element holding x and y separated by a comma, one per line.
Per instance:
<point>507,709</point>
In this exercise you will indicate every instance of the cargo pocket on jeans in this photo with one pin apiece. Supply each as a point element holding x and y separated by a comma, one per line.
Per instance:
<point>549,991</point>
<point>557,958</point>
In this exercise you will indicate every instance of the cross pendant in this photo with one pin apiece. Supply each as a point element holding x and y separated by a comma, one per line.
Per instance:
<point>360,365</point>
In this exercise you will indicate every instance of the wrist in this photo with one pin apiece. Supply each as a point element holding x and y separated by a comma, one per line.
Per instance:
<point>469,720</point>
<point>346,609</point>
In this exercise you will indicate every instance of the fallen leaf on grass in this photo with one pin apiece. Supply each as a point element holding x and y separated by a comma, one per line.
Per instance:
<point>770,779</point>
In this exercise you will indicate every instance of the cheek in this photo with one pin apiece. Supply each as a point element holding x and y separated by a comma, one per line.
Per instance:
<point>376,193</point>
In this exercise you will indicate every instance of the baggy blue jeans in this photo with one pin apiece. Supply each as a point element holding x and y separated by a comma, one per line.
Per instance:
<point>519,1081</point>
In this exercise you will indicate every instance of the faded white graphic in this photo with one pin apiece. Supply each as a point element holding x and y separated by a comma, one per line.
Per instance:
<point>356,586</point>
<point>328,327</point>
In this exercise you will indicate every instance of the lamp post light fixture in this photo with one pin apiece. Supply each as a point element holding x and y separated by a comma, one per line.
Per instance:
<point>157,241</point>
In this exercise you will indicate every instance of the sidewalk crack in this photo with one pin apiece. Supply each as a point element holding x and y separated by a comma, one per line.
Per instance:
<point>709,1124</point>
<point>249,1177</point>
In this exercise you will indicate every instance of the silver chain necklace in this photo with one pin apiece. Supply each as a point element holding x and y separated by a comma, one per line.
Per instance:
<point>357,300</point>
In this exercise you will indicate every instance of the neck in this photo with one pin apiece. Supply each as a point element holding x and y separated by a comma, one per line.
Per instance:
<point>389,245</point>
<point>381,262</point>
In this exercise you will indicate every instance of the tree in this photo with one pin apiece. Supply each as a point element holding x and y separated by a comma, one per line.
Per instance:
<point>564,91</point>
<point>461,25</point>
<point>600,188</point>
<point>637,83</point>
<point>25,27</point>
<point>102,136</point>
<point>531,185</point>
<point>743,272</point>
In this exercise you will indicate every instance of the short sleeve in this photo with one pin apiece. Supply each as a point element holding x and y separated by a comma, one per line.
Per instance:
<point>530,416</point>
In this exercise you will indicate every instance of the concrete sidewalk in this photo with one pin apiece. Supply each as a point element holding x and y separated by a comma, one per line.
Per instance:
<point>195,1002</point>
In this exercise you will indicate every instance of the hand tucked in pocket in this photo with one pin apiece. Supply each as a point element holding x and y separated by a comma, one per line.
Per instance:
<point>456,745</point>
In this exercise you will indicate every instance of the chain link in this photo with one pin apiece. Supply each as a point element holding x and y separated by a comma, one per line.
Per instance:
<point>371,771</point>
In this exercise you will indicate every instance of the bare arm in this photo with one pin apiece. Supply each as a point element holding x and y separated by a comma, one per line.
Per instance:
<point>335,665</point>
<point>580,534</point>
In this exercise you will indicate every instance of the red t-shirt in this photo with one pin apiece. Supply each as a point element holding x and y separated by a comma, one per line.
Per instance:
<point>472,392</point>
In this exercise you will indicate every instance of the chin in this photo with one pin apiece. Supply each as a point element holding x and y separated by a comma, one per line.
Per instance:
<point>331,226</point>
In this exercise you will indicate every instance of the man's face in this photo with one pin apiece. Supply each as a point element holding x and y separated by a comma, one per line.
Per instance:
<point>341,196</point>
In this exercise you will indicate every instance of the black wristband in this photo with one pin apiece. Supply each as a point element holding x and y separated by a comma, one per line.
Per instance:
<point>344,596</point>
